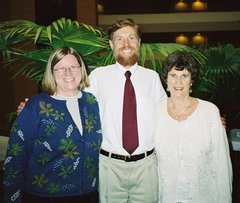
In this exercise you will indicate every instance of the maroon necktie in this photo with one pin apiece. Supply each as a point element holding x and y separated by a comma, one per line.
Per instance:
<point>129,118</point>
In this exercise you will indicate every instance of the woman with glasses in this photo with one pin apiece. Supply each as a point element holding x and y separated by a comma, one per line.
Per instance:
<point>53,149</point>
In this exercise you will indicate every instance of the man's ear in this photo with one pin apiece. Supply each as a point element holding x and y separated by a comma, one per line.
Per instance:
<point>111,44</point>
<point>139,42</point>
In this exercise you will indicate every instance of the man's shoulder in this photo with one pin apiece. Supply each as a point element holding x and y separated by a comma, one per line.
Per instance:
<point>147,71</point>
<point>101,73</point>
<point>102,69</point>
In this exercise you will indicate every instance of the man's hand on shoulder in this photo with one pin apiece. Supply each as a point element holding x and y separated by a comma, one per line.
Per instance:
<point>224,122</point>
<point>21,105</point>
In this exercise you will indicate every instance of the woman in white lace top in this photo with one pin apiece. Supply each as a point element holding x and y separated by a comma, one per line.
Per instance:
<point>191,144</point>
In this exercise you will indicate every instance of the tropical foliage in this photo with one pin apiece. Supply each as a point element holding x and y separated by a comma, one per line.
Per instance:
<point>220,80</point>
<point>26,46</point>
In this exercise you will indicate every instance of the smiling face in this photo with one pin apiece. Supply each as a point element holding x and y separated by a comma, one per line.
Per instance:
<point>125,44</point>
<point>68,80</point>
<point>179,83</point>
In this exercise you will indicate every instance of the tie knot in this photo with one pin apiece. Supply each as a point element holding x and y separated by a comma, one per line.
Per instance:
<point>127,74</point>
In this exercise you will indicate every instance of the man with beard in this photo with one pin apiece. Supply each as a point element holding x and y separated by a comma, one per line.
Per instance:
<point>126,176</point>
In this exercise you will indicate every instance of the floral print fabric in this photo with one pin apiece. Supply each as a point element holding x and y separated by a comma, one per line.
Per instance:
<point>47,155</point>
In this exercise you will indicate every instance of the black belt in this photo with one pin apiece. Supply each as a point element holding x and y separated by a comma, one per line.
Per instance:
<point>127,158</point>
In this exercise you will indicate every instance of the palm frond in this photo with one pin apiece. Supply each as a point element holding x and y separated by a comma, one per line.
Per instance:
<point>220,77</point>
<point>223,64</point>
<point>154,54</point>
<point>35,42</point>
<point>90,41</point>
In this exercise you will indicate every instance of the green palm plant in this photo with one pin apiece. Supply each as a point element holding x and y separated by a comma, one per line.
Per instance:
<point>26,46</point>
<point>220,79</point>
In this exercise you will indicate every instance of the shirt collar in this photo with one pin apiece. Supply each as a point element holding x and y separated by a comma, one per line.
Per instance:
<point>60,97</point>
<point>132,69</point>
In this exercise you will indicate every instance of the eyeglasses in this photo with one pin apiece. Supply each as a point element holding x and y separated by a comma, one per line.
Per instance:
<point>64,69</point>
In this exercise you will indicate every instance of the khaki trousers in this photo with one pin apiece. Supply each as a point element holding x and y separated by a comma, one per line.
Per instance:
<point>128,182</point>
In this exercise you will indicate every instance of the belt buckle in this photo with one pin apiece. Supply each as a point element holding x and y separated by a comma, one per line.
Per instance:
<point>127,158</point>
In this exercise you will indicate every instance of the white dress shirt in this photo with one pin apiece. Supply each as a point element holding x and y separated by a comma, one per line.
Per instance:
<point>107,85</point>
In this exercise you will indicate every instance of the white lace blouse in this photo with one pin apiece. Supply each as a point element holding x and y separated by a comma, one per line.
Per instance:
<point>193,157</point>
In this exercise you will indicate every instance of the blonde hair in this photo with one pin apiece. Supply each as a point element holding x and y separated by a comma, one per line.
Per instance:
<point>48,83</point>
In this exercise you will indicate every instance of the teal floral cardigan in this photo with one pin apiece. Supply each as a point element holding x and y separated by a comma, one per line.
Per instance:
<point>47,155</point>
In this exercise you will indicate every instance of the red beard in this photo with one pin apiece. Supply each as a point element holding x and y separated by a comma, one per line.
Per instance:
<point>128,61</point>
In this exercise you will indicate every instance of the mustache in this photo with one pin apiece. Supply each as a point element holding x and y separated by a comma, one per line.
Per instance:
<point>128,47</point>
<point>127,61</point>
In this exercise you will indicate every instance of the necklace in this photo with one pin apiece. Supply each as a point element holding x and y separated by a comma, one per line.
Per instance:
<point>179,114</point>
